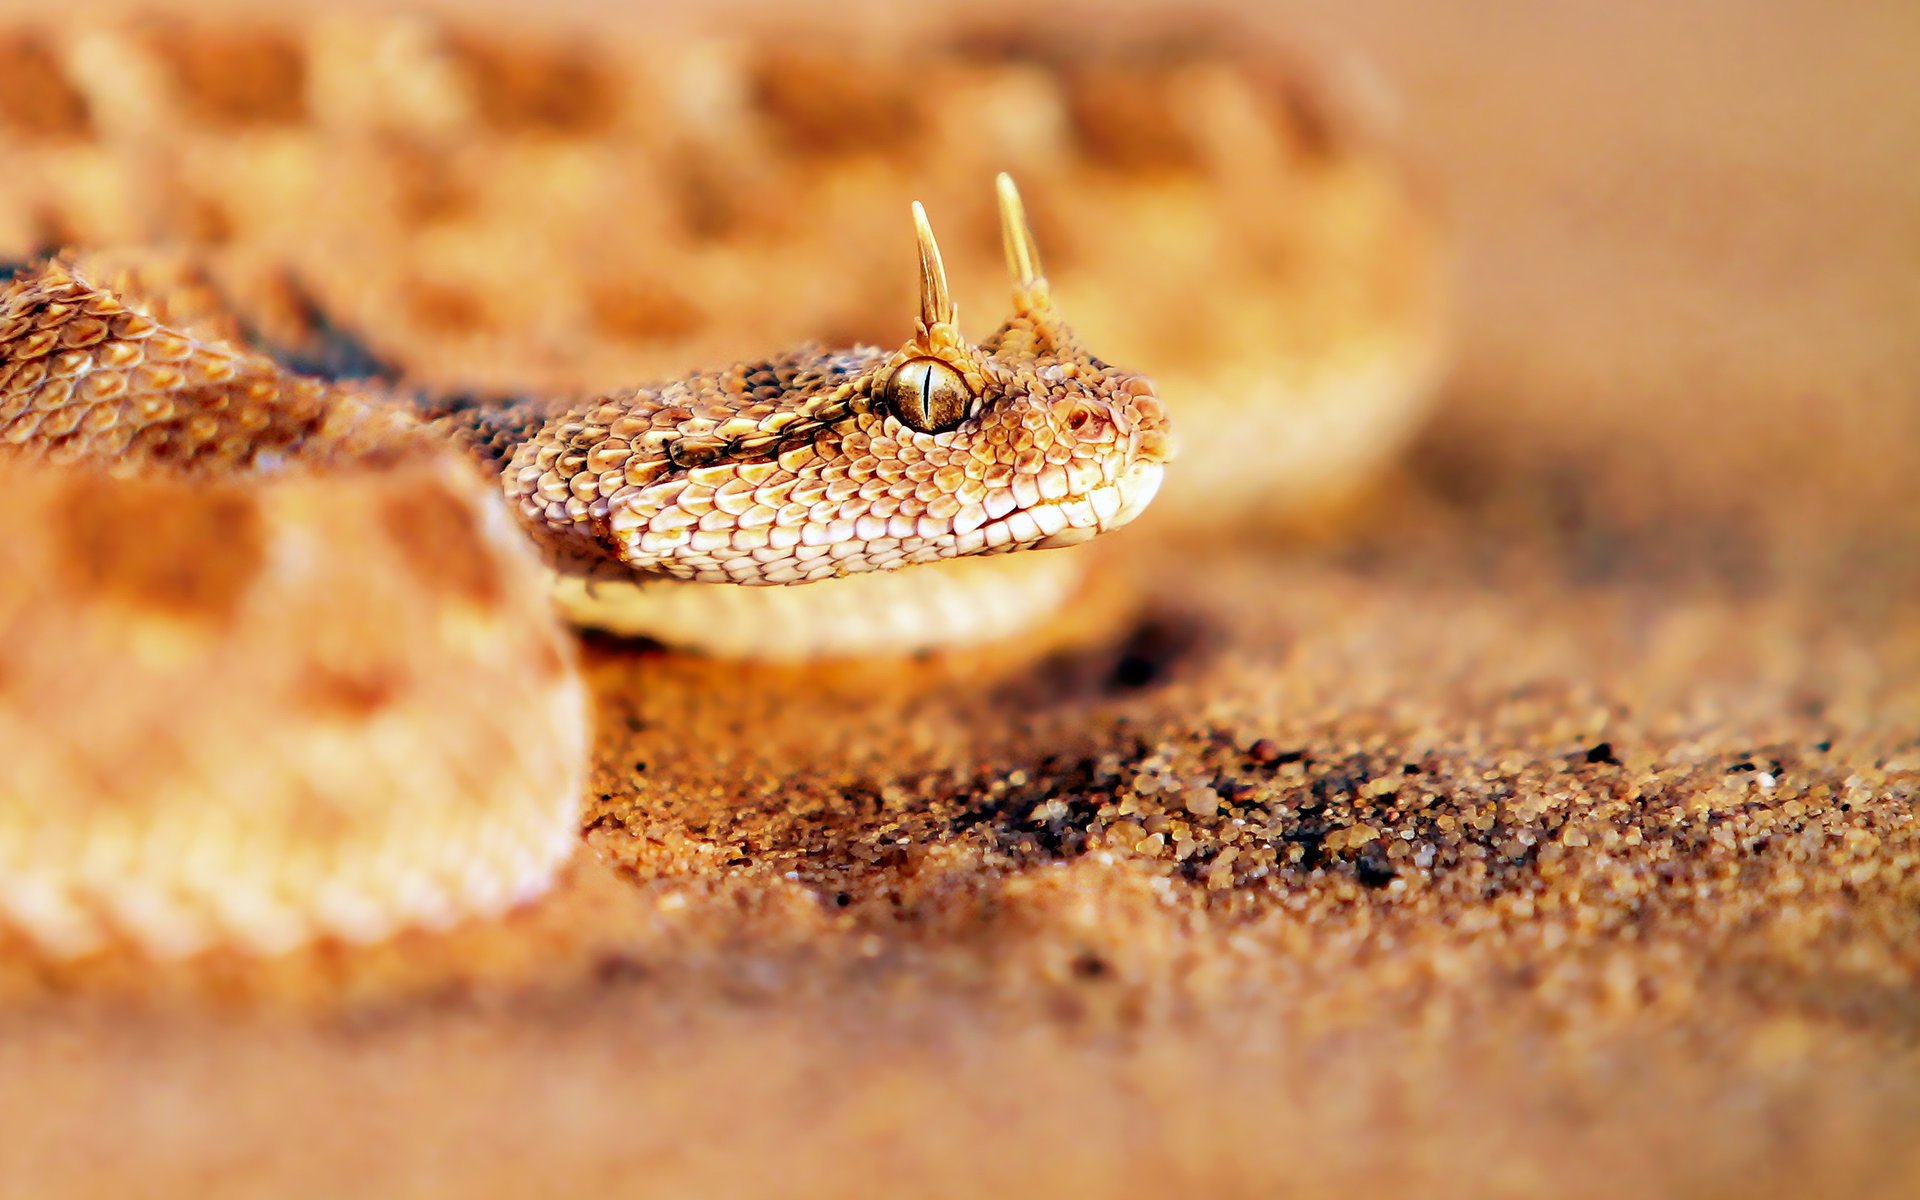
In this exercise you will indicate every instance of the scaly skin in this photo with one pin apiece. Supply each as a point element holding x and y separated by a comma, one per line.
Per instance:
<point>793,470</point>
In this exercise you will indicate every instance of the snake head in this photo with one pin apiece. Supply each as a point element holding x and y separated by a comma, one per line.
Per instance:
<point>820,464</point>
<point>1054,445</point>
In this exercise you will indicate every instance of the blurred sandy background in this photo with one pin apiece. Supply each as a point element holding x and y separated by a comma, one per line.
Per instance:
<point>1668,508</point>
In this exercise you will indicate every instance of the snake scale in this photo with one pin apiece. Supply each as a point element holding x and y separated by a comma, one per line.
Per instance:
<point>278,653</point>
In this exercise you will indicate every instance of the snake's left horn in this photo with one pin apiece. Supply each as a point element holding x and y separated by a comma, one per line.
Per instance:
<point>936,302</point>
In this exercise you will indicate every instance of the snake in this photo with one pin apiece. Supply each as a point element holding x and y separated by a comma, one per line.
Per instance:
<point>814,465</point>
<point>284,618</point>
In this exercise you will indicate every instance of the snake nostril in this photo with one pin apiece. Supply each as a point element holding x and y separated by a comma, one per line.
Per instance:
<point>1087,416</point>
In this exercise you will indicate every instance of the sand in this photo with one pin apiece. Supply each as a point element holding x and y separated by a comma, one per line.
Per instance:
<point>1546,825</point>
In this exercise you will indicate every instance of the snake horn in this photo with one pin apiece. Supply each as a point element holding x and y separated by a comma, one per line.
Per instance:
<point>1023,256</point>
<point>936,302</point>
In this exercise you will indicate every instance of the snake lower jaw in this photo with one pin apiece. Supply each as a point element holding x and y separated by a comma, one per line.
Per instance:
<point>960,601</point>
<point>1136,489</point>
<point>948,605</point>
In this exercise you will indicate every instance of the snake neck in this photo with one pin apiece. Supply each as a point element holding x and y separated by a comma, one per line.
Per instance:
<point>486,427</point>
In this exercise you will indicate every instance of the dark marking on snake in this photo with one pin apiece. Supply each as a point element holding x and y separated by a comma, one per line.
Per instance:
<point>487,426</point>
<point>348,692</point>
<point>440,539</point>
<point>197,565</point>
<point>327,348</point>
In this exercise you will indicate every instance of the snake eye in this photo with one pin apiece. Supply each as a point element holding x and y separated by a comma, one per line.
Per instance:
<point>928,395</point>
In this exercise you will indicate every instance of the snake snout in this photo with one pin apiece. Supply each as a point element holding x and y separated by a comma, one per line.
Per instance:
<point>1149,433</point>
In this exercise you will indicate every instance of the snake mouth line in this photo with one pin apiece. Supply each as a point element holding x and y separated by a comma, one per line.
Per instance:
<point>974,596</point>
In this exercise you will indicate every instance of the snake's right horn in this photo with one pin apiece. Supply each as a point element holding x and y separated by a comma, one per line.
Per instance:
<point>1035,327</point>
<point>1016,235</point>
